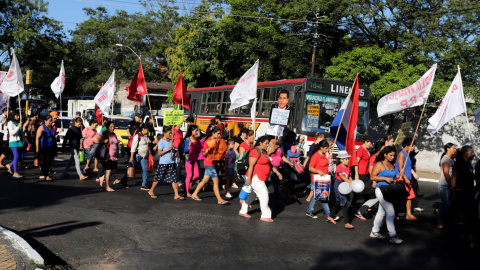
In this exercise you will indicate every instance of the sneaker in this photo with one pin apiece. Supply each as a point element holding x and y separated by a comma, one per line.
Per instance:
<point>395,240</point>
<point>310,215</point>
<point>228,195</point>
<point>418,209</point>
<point>234,185</point>
<point>336,218</point>
<point>223,187</point>
<point>144,188</point>
<point>377,235</point>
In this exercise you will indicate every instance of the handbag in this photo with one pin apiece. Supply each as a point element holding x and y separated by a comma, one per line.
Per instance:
<point>130,170</point>
<point>130,141</point>
<point>99,150</point>
<point>394,191</point>
<point>151,161</point>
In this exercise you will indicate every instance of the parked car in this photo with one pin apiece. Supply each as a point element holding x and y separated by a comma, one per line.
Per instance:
<point>66,123</point>
<point>158,124</point>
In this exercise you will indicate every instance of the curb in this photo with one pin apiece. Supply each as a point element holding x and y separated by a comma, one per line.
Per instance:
<point>25,247</point>
<point>428,180</point>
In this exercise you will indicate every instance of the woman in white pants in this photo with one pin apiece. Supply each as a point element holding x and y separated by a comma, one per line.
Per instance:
<point>384,173</point>
<point>74,137</point>
<point>258,171</point>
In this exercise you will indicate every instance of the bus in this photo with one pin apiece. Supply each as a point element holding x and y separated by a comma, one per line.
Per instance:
<point>314,103</point>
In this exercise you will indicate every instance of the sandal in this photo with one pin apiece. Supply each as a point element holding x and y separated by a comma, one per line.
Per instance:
<point>223,202</point>
<point>360,216</point>
<point>110,189</point>
<point>48,178</point>
<point>179,198</point>
<point>244,215</point>
<point>8,168</point>
<point>117,181</point>
<point>331,220</point>
<point>349,226</point>
<point>196,199</point>
<point>83,178</point>
<point>151,196</point>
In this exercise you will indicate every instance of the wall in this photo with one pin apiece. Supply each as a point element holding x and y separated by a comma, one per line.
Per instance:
<point>430,147</point>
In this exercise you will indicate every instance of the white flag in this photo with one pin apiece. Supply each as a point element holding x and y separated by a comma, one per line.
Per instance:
<point>245,89</point>
<point>12,85</point>
<point>414,95</point>
<point>104,98</point>
<point>452,105</point>
<point>3,101</point>
<point>59,83</point>
<point>3,74</point>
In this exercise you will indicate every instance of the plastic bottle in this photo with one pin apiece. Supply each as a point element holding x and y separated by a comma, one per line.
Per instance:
<point>246,189</point>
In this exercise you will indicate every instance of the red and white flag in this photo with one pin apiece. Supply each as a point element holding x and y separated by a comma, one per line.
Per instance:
<point>59,83</point>
<point>98,114</point>
<point>180,93</point>
<point>3,74</point>
<point>137,88</point>
<point>3,101</point>
<point>245,89</point>
<point>105,96</point>
<point>452,105</point>
<point>12,84</point>
<point>412,96</point>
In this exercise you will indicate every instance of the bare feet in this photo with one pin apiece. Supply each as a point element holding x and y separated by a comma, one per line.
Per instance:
<point>412,218</point>
<point>151,195</point>
<point>9,168</point>
<point>83,178</point>
<point>17,175</point>
<point>110,189</point>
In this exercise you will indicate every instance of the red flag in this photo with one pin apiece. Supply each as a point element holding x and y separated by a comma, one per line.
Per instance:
<point>181,90</point>
<point>137,88</point>
<point>98,114</point>
<point>352,123</point>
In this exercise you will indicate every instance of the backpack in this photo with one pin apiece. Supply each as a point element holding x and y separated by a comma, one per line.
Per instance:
<point>226,132</point>
<point>241,164</point>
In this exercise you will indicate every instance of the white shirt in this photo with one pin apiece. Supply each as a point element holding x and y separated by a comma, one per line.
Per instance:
<point>3,117</point>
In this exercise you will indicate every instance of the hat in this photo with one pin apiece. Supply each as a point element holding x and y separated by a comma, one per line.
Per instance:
<point>54,114</point>
<point>343,154</point>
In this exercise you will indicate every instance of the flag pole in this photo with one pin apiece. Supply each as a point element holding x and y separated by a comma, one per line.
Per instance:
<point>61,122</point>
<point>18,88</point>
<point>113,98</point>
<point>254,105</point>
<point>341,120</point>
<point>466,115</point>
<point>414,134</point>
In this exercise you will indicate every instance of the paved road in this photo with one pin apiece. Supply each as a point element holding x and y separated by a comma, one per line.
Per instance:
<point>75,224</point>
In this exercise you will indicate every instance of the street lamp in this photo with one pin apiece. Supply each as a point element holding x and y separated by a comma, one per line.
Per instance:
<point>121,45</point>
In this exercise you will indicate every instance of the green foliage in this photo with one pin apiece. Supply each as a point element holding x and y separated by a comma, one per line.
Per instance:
<point>382,70</point>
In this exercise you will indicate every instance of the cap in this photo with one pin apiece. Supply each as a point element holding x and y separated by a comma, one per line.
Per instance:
<point>343,154</point>
<point>54,114</point>
<point>79,113</point>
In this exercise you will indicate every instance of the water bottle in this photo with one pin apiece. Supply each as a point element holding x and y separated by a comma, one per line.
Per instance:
<point>246,189</point>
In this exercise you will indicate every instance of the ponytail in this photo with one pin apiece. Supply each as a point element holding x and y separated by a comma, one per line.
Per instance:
<point>445,148</point>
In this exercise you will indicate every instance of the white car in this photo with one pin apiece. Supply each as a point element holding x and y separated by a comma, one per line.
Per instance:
<point>158,124</point>
<point>66,123</point>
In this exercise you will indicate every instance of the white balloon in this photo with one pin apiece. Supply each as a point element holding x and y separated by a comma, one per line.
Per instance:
<point>344,188</point>
<point>358,186</point>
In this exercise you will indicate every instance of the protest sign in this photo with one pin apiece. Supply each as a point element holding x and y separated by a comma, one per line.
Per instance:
<point>172,117</point>
<point>279,117</point>
<point>275,130</point>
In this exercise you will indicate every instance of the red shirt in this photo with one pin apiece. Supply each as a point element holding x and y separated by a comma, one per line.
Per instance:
<point>364,156</point>
<point>262,167</point>
<point>177,137</point>
<point>343,170</point>
<point>319,162</point>
<point>221,127</point>
<point>207,162</point>
<point>371,162</point>
<point>245,146</point>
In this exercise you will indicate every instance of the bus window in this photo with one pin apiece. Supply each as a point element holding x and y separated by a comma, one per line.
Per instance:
<point>246,109</point>
<point>269,98</point>
<point>362,115</point>
<point>319,112</point>
<point>203,105</point>
<point>226,103</point>
<point>214,103</point>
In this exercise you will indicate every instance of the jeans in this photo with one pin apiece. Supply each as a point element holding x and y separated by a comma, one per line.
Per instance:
<point>74,157</point>
<point>385,209</point>
<point>276,184</point>
<point>311,206</point>
<point>211,172</point>
<point>445,196</point>
<point>88,155</point>
<point>144,163</point>
<point>261,190</point>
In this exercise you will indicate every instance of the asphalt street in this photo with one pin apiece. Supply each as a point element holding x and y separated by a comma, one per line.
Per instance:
<point>74,224</point>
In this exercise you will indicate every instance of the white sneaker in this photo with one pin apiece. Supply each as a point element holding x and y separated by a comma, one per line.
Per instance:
<point>228,195</point>
<point>395,240</point>
<point>376,235</point>
<point>310,215</point>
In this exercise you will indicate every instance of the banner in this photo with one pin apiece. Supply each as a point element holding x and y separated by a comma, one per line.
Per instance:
<point>414,95</point>
<point>3,74</point>
<point>477,116</point>
<point>105,96</point>
<point>245,89</point>
<point>12,84</point>
<point>137,88</point>
<point>452,105</point>
<point>58,84</point>
<point>279,117</point>
<point>3,101</point>
<point>172,117</point>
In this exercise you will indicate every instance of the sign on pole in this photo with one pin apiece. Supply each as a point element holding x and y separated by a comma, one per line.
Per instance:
<point>280,117</point>
<point>172,117</point>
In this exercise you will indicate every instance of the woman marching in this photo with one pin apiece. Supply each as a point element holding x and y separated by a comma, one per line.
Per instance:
<point>210,171</point>
<point>258,172</point>
<point>383,173</point>
<point>88,134</point>
<point>109,138</point>
<point>343,202</point>
<point>192,150</point>
<point>444,184</point>
<point>140,146</point>
<point>16,139</point>
<point>166,167</point>
<point>46,146</point>
<point>74,136</point>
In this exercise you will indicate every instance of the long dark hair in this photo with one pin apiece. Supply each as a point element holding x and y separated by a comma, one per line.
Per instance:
<point>321,144</point>
<point>262,139</point>
<point>386,150</point>
<point>190,130</point>
<point>11,116</point>
<point>108,125</point>
<point>445,148</point>
<point>212,130</point>
<point>377,147</point>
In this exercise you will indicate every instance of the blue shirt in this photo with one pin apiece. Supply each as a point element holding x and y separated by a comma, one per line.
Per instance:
<point>165,158</point>
<point>407,164</point>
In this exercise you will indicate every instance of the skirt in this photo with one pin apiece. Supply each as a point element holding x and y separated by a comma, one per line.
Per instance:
<point>166,173</point>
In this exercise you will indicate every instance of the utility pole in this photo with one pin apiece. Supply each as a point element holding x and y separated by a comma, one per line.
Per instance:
<point>315,37</point>
<point>28,82</point>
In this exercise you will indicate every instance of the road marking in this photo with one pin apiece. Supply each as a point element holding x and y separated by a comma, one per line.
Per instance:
<point>428,180</point>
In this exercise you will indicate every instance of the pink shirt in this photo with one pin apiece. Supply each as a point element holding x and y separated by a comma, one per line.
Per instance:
<point>88,135</point>
<point>112,146</point>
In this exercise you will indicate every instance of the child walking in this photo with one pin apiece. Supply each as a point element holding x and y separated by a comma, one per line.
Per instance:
<point>230,167</point>
<point>343,174</point>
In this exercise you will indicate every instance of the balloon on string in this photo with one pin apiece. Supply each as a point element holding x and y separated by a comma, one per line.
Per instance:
<point>358,186</point>
<point>344,188</point>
